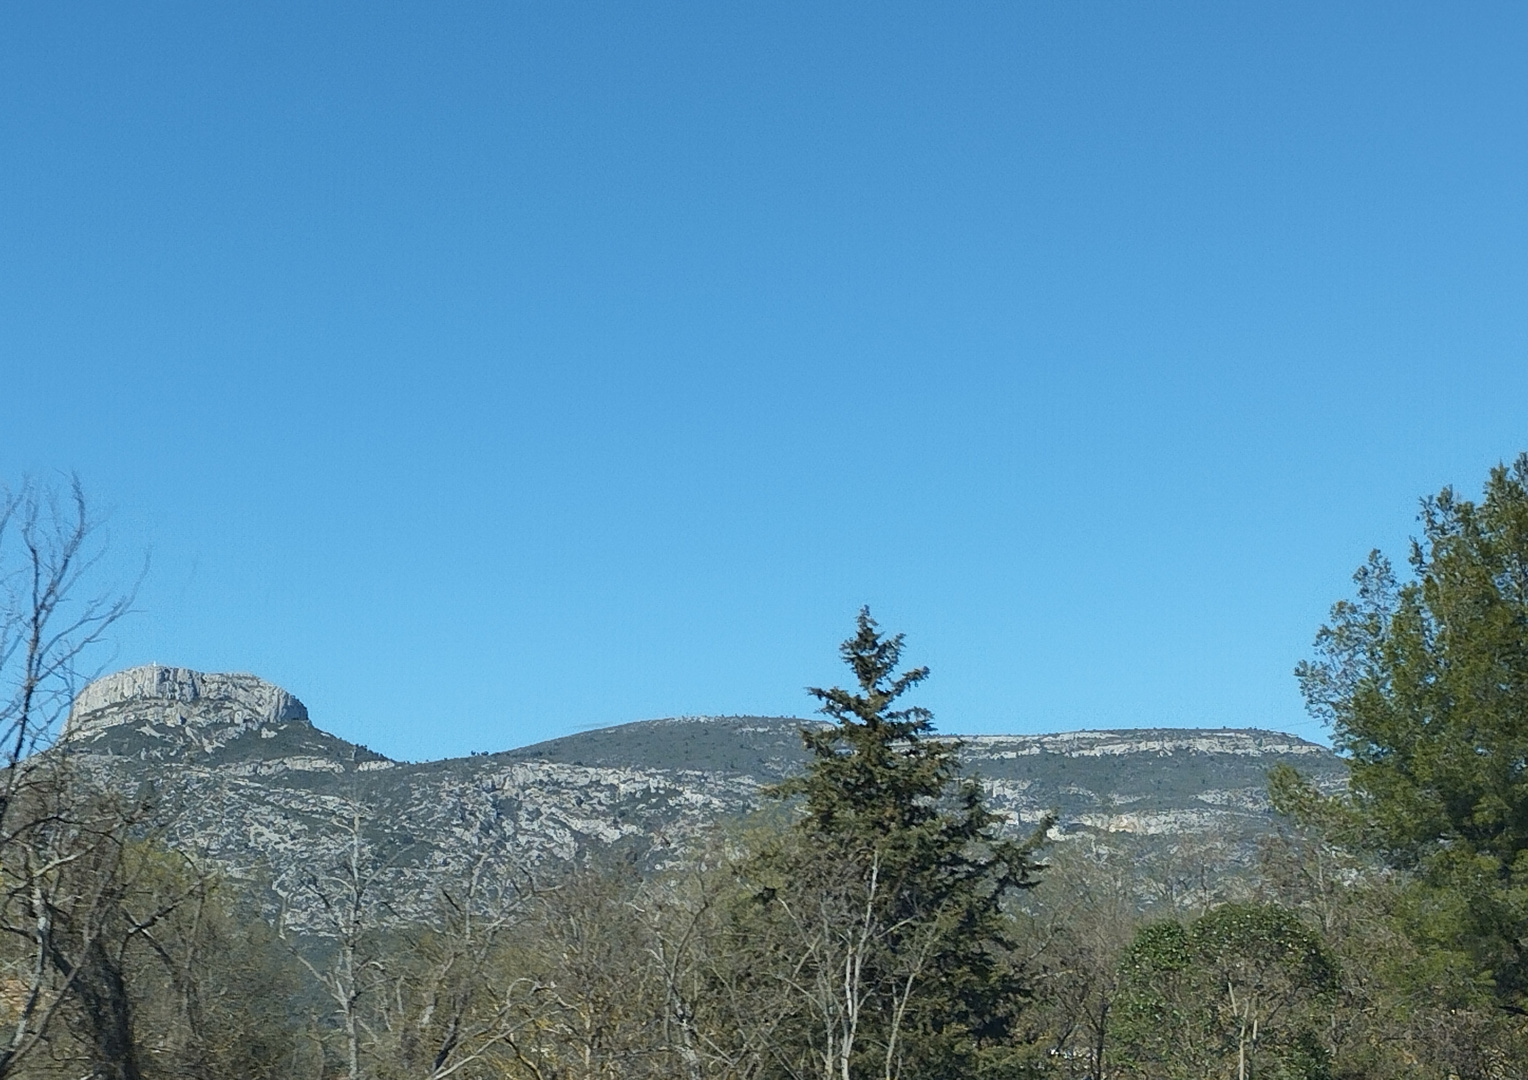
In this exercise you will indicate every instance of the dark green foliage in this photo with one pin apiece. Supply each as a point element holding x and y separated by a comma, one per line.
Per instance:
<point>918,874</point>
<point>1425,685</point>
<point>1405,1006</point>
<point>1238,991</point>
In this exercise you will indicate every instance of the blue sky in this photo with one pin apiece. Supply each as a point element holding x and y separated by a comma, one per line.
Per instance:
<point>483,372</point>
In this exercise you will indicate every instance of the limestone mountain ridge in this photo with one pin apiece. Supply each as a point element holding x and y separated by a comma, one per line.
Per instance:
<point>250,784</point>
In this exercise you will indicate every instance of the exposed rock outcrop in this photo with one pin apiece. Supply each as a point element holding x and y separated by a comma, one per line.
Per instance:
<point>177,697</point>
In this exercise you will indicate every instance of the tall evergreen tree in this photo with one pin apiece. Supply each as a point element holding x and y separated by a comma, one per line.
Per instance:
<point>1425,685</point>
<point>922,981</point>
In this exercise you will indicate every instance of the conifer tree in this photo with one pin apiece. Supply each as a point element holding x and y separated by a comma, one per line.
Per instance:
<point>922,980</point>
<point>1425,686</point>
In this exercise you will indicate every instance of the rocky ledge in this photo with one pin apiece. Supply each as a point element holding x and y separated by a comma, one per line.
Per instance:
<point>177,697</point>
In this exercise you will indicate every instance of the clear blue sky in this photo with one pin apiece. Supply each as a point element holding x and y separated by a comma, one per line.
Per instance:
<point>483,372</point>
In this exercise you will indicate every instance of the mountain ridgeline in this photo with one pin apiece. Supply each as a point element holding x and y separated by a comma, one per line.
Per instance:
<point>249,783</point>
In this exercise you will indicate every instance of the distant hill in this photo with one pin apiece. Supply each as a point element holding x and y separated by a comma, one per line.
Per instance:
<point>254,786</point>
<point>764,747</point>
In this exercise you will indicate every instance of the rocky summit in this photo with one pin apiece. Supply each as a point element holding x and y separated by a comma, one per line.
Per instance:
<point>250,784</point>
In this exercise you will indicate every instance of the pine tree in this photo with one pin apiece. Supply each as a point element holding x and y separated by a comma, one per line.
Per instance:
<point>922,982</point>
<point>1425,686</point>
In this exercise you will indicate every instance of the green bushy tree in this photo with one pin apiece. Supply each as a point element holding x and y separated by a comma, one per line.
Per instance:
<point>1230,993</point>
<point>1425,686</point>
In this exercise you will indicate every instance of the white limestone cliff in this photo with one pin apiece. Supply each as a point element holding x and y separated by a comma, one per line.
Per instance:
<point>179,697</point>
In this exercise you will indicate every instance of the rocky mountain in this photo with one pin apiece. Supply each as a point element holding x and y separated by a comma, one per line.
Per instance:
<point>248,782</point>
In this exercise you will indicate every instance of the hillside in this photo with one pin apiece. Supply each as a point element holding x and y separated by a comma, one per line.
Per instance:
<point>249,782</point>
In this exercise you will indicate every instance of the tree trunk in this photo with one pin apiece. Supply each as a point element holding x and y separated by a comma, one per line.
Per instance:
<point>108,1016</point>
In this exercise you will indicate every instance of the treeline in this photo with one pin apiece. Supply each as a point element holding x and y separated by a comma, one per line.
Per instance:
<point>875,922</point>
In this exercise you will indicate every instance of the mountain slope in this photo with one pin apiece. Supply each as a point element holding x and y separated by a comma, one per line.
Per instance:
<point>251,784</point>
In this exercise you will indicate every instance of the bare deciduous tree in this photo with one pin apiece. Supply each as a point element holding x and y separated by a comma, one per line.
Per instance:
<point>61,847</point>
<point>445,1005</point>
<point>348,894</point>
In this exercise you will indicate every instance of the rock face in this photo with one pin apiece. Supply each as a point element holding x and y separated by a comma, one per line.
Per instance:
<point>225,704</point>
<point>250,784</point>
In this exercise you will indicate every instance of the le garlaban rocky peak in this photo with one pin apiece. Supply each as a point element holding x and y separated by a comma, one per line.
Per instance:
<point>266,794</point>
